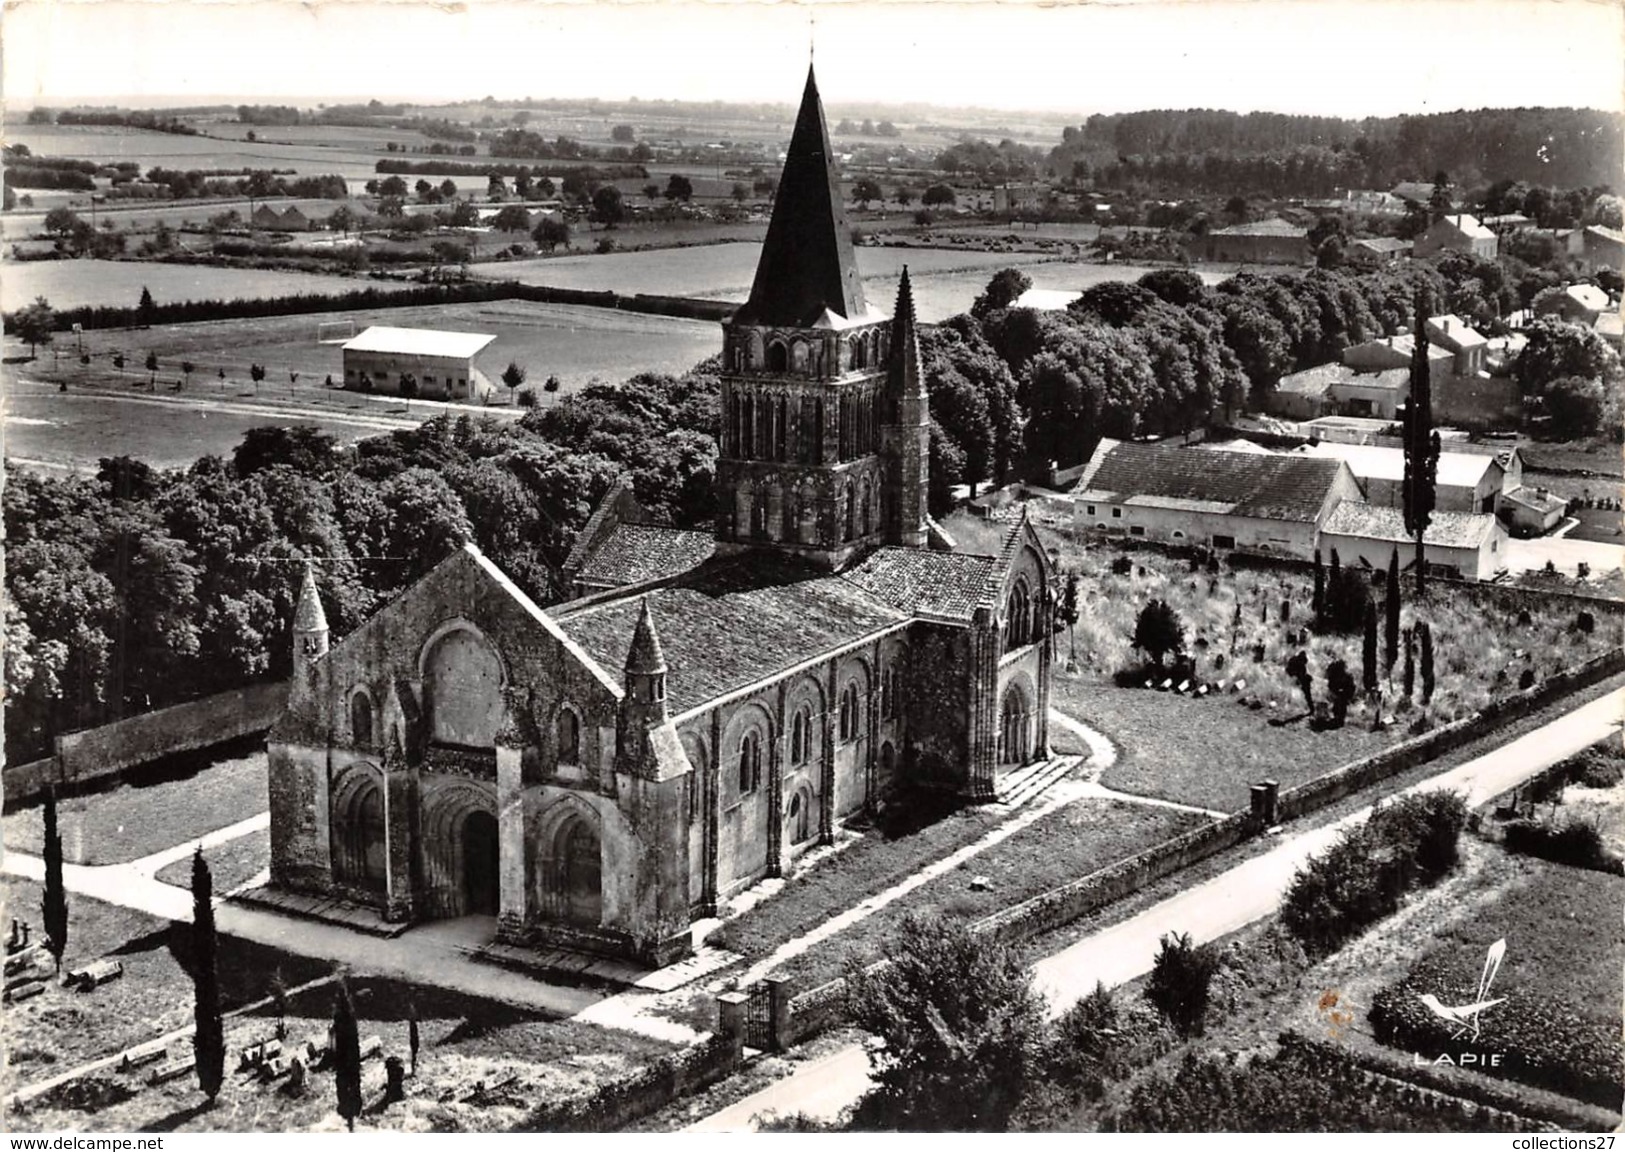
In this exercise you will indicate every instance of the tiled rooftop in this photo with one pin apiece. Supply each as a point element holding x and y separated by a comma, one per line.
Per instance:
<point>634,553</point>
<point>732,622</point>
<point>1269,487</point>
<point>931,584</point>
<point>1445,529</point>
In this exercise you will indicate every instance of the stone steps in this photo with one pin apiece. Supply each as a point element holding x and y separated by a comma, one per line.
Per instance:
<point>1027,783</point>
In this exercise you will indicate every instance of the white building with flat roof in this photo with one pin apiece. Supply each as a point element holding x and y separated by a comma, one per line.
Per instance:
<point>425,362</point>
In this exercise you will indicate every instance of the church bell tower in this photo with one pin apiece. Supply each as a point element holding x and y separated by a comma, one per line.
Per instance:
<point>822,447</point>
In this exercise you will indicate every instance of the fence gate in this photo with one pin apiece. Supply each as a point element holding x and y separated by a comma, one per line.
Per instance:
<point>759,1018</point>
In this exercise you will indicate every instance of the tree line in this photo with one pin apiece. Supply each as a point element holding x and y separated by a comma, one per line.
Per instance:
<point>1203,150</point>
<point>138,588</point>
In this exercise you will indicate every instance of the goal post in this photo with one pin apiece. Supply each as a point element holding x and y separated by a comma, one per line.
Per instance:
<point>335,331</point>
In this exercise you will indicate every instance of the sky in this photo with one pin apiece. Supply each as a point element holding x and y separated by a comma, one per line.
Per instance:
<point>1330,57</point>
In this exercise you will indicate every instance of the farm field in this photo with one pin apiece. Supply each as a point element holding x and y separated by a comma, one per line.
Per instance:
<point>112,144</point>
<point>945,282</point>
<point>143,216</point>
<point>574,342</point>
<point>72,431</point>
<point>112,283</point>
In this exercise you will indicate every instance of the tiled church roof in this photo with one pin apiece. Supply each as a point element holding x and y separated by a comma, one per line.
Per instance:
<point>929,584</point>
<point>733,622</point>
<point>635,553</point>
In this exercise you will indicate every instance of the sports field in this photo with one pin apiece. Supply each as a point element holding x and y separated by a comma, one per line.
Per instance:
<point>113,283</point>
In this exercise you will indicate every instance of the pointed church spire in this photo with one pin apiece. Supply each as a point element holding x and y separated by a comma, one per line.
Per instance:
<point>908,378</point>
<point>807,265</point>
<point>308,616</point>
<point>645,656</point>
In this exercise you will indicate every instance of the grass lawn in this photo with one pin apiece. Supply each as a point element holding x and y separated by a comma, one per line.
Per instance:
<point>1206,752</point>
<point>1063,846</point>
<point>231,864</point>
<point>464,1040</point>
<point>169,804</point>
<point>860,870</point>
<point>63,1028</point>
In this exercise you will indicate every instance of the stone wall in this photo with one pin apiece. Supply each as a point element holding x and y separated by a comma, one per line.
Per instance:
<point>96,753</point>
<point>819,1008</point>
<point>621,1102</point>
<point>1350,778</point>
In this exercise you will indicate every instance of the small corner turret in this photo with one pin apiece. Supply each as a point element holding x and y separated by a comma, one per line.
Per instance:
<point>643,708</point>
<point>310,631</point>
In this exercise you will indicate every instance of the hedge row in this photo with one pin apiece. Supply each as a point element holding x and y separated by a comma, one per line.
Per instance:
<point>1540,1041</point>
<point>510,171</point>
<point>417,295</point>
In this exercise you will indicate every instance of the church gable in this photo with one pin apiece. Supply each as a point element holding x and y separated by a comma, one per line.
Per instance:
<point>434,663</point>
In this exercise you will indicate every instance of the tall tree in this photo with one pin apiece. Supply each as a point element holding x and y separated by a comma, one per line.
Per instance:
<point>1390,607</point>
<point>209,1042</point>
<point>1368,651</point>
<point>33,324</point>
<point>346,1057</point>
<point>1421,444</point>
<point>1319,604</point>
<point>54,905</point>
<point>1427,662</point>
<point>961,1028</point>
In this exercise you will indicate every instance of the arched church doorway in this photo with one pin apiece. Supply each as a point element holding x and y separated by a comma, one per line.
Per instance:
<point>580,873</point>
<point>362,846</point>
<point>480,853</point>
<point>1014,742</point>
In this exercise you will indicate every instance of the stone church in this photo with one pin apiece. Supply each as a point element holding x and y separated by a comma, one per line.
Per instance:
<point>599,774</point>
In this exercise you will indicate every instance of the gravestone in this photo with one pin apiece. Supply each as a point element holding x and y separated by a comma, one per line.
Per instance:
<point>24,992</point>
<point>394,1080</point>
<point>295,1084</point>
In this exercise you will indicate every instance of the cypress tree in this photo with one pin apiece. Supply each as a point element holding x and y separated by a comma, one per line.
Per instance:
<point>1368,651</point>
<point>346,1057</point>
<point>54,905</point>
<point>1410,662</point>
<point>209,1042</point>
<point>1427,663</point>
<point>412,1033</point>
<point>1421,443</point>
<point>1320,588</point>
<point>1390,606</point>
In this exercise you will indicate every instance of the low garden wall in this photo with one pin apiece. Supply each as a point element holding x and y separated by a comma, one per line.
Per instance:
<point>82,757</point>
<point>622,1102</point>
<point>1351,778</point>
<point>816,1009</point>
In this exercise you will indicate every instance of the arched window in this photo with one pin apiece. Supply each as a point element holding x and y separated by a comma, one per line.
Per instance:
<point>850,718</point>
<point>800,736</point>
<point>798,356</point>
<point>890,705</point>
<point>1013,739</point>
<point>750,762</point>
<point>781,430</point>
<point>1018,624</point>
<point>866,511</point>
<point>361,719</point>
<point>799,816</point>
<point>569,735</point>
<point>747,427</point>
<point>857,357</point>
<point>777,358</point>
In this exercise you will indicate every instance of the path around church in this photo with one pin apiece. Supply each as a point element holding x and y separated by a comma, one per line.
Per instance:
<point>1230,901</point>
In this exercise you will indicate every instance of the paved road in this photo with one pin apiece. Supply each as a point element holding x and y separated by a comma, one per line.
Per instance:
<point>1235,898</point>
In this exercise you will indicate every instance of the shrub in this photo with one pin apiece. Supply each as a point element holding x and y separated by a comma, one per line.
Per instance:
<point>1600,766</point>
<point>1180,980</point>
<point>1122,566</point>
<point>1585,622</point>
<point>1526,679</point>
<point>1574,842</point>
<point>1362,876</point>
<point>1159,632</point>
<point>1541,1041</point>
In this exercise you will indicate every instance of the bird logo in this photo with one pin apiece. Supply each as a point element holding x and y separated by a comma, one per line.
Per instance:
<point>1466,1017</point>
